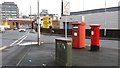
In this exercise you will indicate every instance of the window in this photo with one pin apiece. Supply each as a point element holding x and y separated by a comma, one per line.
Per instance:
<point>65,25</point>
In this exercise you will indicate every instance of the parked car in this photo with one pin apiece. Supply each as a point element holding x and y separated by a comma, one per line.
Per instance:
<point>15,28</point>
<point>22,30</point>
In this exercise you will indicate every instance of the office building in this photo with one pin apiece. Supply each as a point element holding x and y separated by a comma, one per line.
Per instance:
<point>9,10</point>
<point>0,11</point>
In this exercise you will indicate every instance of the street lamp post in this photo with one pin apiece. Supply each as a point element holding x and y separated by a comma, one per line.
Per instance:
<point>83,5</point>
<point>105,20</point>
<point>38,25</point>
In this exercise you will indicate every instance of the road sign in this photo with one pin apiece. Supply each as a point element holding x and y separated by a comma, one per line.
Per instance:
<point>66,7</point>
<point>46,21</point>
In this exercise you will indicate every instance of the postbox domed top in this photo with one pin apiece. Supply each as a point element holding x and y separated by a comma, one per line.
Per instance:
<point>97,25</point>
<point>78,23</point>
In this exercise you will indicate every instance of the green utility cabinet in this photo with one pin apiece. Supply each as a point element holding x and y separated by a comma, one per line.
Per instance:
<point>63,52</point>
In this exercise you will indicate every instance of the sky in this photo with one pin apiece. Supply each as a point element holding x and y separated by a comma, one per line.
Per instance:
<point>54,6</point>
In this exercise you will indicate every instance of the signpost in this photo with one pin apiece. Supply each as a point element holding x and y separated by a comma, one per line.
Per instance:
<point>63,50</point>
<point>66,11</point>
<point>66,7</point>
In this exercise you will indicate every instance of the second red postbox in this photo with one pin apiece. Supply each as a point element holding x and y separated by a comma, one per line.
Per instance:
<point>95,36</point>
<point>78,34</point>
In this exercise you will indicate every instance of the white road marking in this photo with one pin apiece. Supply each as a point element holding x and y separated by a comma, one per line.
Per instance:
<point>28,43</point>
<point>17,40</point>
<point>23,57</point>
<point>21,40</point>
<point>3,48</point>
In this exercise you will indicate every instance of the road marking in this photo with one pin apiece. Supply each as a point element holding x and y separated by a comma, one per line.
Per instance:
<point>17,40</point>
<point>21,40</point>
<point>23,57</point>
<point>3,48</point>
<point>28,43</point>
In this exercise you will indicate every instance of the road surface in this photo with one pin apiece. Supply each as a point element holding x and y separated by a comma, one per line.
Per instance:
<point>25,52</point>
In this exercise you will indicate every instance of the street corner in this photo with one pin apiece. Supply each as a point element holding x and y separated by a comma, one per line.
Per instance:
<point>4,47</point>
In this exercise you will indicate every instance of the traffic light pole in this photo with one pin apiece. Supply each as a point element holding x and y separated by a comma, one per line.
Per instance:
<point>38,25</point>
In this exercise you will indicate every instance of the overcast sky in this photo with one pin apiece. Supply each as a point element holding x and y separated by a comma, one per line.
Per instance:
<point>54,6</point>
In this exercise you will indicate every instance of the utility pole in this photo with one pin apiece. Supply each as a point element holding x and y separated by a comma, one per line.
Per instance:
<point>5,15</point>
<point>38,25</point>
<point>31,19</point>
<point>62,8</point>
<point>83,5</point>
<point>30,11</point>
<point>105,20</point>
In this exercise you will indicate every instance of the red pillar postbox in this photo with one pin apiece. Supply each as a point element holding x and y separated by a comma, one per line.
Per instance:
<point>95,37</point>
<point>78,35</point>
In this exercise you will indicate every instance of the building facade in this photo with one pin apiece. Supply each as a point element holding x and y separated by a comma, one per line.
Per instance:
<point>108,19</point>
<point>9,10</point>
<point>44,12</point>
<point>0,11</point>
<point>49,19</point>
<point>1,15</point>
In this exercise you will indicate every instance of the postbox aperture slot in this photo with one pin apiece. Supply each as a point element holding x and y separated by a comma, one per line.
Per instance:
<point>75,27</point>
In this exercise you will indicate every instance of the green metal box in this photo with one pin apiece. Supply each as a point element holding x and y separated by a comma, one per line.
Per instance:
<point>63,51</point>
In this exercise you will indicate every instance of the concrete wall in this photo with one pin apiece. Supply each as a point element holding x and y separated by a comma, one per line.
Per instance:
<point>61,25</point>
<point>98,18</point>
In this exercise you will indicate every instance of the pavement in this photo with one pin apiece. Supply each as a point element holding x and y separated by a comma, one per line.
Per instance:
<point>44,55</point>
